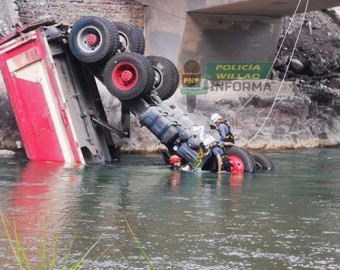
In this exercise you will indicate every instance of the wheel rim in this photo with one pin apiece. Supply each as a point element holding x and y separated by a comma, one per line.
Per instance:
<point>236,163</point>
<point>258,166</point>
<point>124,42</point>
<point>158,77</point>
<point>125,76</point>
<point>89,39</point>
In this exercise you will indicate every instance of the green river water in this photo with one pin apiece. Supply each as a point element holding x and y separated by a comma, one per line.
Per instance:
<point>286,219</point>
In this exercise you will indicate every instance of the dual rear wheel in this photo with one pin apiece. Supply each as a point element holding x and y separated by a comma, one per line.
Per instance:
<point>93,39</point>
<point>114,52</point>
<point>130,75</point>
<point>252,161</point>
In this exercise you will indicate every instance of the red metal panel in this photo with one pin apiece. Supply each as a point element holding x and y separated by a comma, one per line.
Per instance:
<point>30,106</point>
<point>34,120</point>
<point>57,92</point>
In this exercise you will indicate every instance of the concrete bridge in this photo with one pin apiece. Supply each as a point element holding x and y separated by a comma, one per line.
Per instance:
<point>270,8</point>
<point>218,30</point>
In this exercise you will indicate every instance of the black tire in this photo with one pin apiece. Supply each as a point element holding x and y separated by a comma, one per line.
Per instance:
<point>128,75</point>
<point>131,38</point>
<point>97,70</point>
<point>93,39</point>
<point>263,162</point>
<point>247,158</point>
<point>166,157</point>
<point>166,76</point>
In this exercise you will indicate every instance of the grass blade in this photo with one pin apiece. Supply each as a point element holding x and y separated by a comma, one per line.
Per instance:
<point>43,255</point>
<point>101,255</point>
<point>54,254</point>
<point>80,263</point>
<point>20,246</point>
<point>67,255</point>
<point>21,256</point>
<point>6,226</point>
<point>146,256</point>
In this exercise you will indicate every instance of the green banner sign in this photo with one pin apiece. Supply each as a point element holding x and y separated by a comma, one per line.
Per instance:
<point>238,71</point>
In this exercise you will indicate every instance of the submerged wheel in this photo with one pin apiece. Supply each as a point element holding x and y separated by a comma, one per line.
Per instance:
<point>166,76</point>
<point>93,39</point>
<point>263,162</point>
<point>128,75</point>
<point>130,37</point>
<point>245,156</point>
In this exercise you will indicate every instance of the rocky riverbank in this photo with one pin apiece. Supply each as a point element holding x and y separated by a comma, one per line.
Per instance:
<point>315,69</point>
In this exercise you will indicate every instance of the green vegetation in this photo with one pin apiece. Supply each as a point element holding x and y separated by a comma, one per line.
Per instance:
<point>139,245</point>
<point>47,260</point>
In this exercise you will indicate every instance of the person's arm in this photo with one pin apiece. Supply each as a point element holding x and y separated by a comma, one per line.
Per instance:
<point>219,163</point>
<point>218,152</point>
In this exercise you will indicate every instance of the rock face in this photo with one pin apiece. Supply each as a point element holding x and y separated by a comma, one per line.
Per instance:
<point>334,83</point>
<point>310,116</point>
<point>68,12</point>
<point>317,54</point>
<point>9,16</point>
<point>9,134</point>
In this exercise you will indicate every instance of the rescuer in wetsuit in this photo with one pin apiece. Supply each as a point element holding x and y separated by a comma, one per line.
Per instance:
<point>223,127</point>
<point>218,151</point>
<point>176,164</point>
<point>226,139</point>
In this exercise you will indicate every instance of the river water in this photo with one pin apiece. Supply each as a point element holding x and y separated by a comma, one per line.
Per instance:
<point>286,219</point>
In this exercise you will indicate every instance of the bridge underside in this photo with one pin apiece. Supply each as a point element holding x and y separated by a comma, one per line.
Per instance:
<point>271,8</point>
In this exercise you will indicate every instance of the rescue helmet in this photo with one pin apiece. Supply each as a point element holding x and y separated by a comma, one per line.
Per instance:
<point>215,117</point>
<point>174,159</point>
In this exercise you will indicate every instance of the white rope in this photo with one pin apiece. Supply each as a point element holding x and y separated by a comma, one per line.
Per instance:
<point>285,75</point>
<point>272,66</point>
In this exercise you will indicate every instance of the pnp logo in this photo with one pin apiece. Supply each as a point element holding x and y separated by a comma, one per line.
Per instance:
<point>191,80</point>
<point>191,76</point>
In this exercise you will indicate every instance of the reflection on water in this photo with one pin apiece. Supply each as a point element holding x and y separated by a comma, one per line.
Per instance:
<point>37,202</point>
<point>287,219</point>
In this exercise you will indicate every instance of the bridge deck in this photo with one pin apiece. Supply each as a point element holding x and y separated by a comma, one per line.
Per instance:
<point>262,7</point>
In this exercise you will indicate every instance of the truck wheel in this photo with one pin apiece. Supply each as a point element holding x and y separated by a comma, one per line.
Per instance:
<point>130,37</point>
<point>247,158</point>
<point>263,162</point>
<point>166,76</point>
<point>128,75</point>
<point>93,39</point>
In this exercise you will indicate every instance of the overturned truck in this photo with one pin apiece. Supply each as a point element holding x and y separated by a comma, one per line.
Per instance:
<point>49,71</point>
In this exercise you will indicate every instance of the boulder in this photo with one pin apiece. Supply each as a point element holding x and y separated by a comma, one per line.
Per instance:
<point>6,153</point>
<point>334,83</point>
<point>281,61</point>
<point>296,66</point>
<point>313,69</point>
